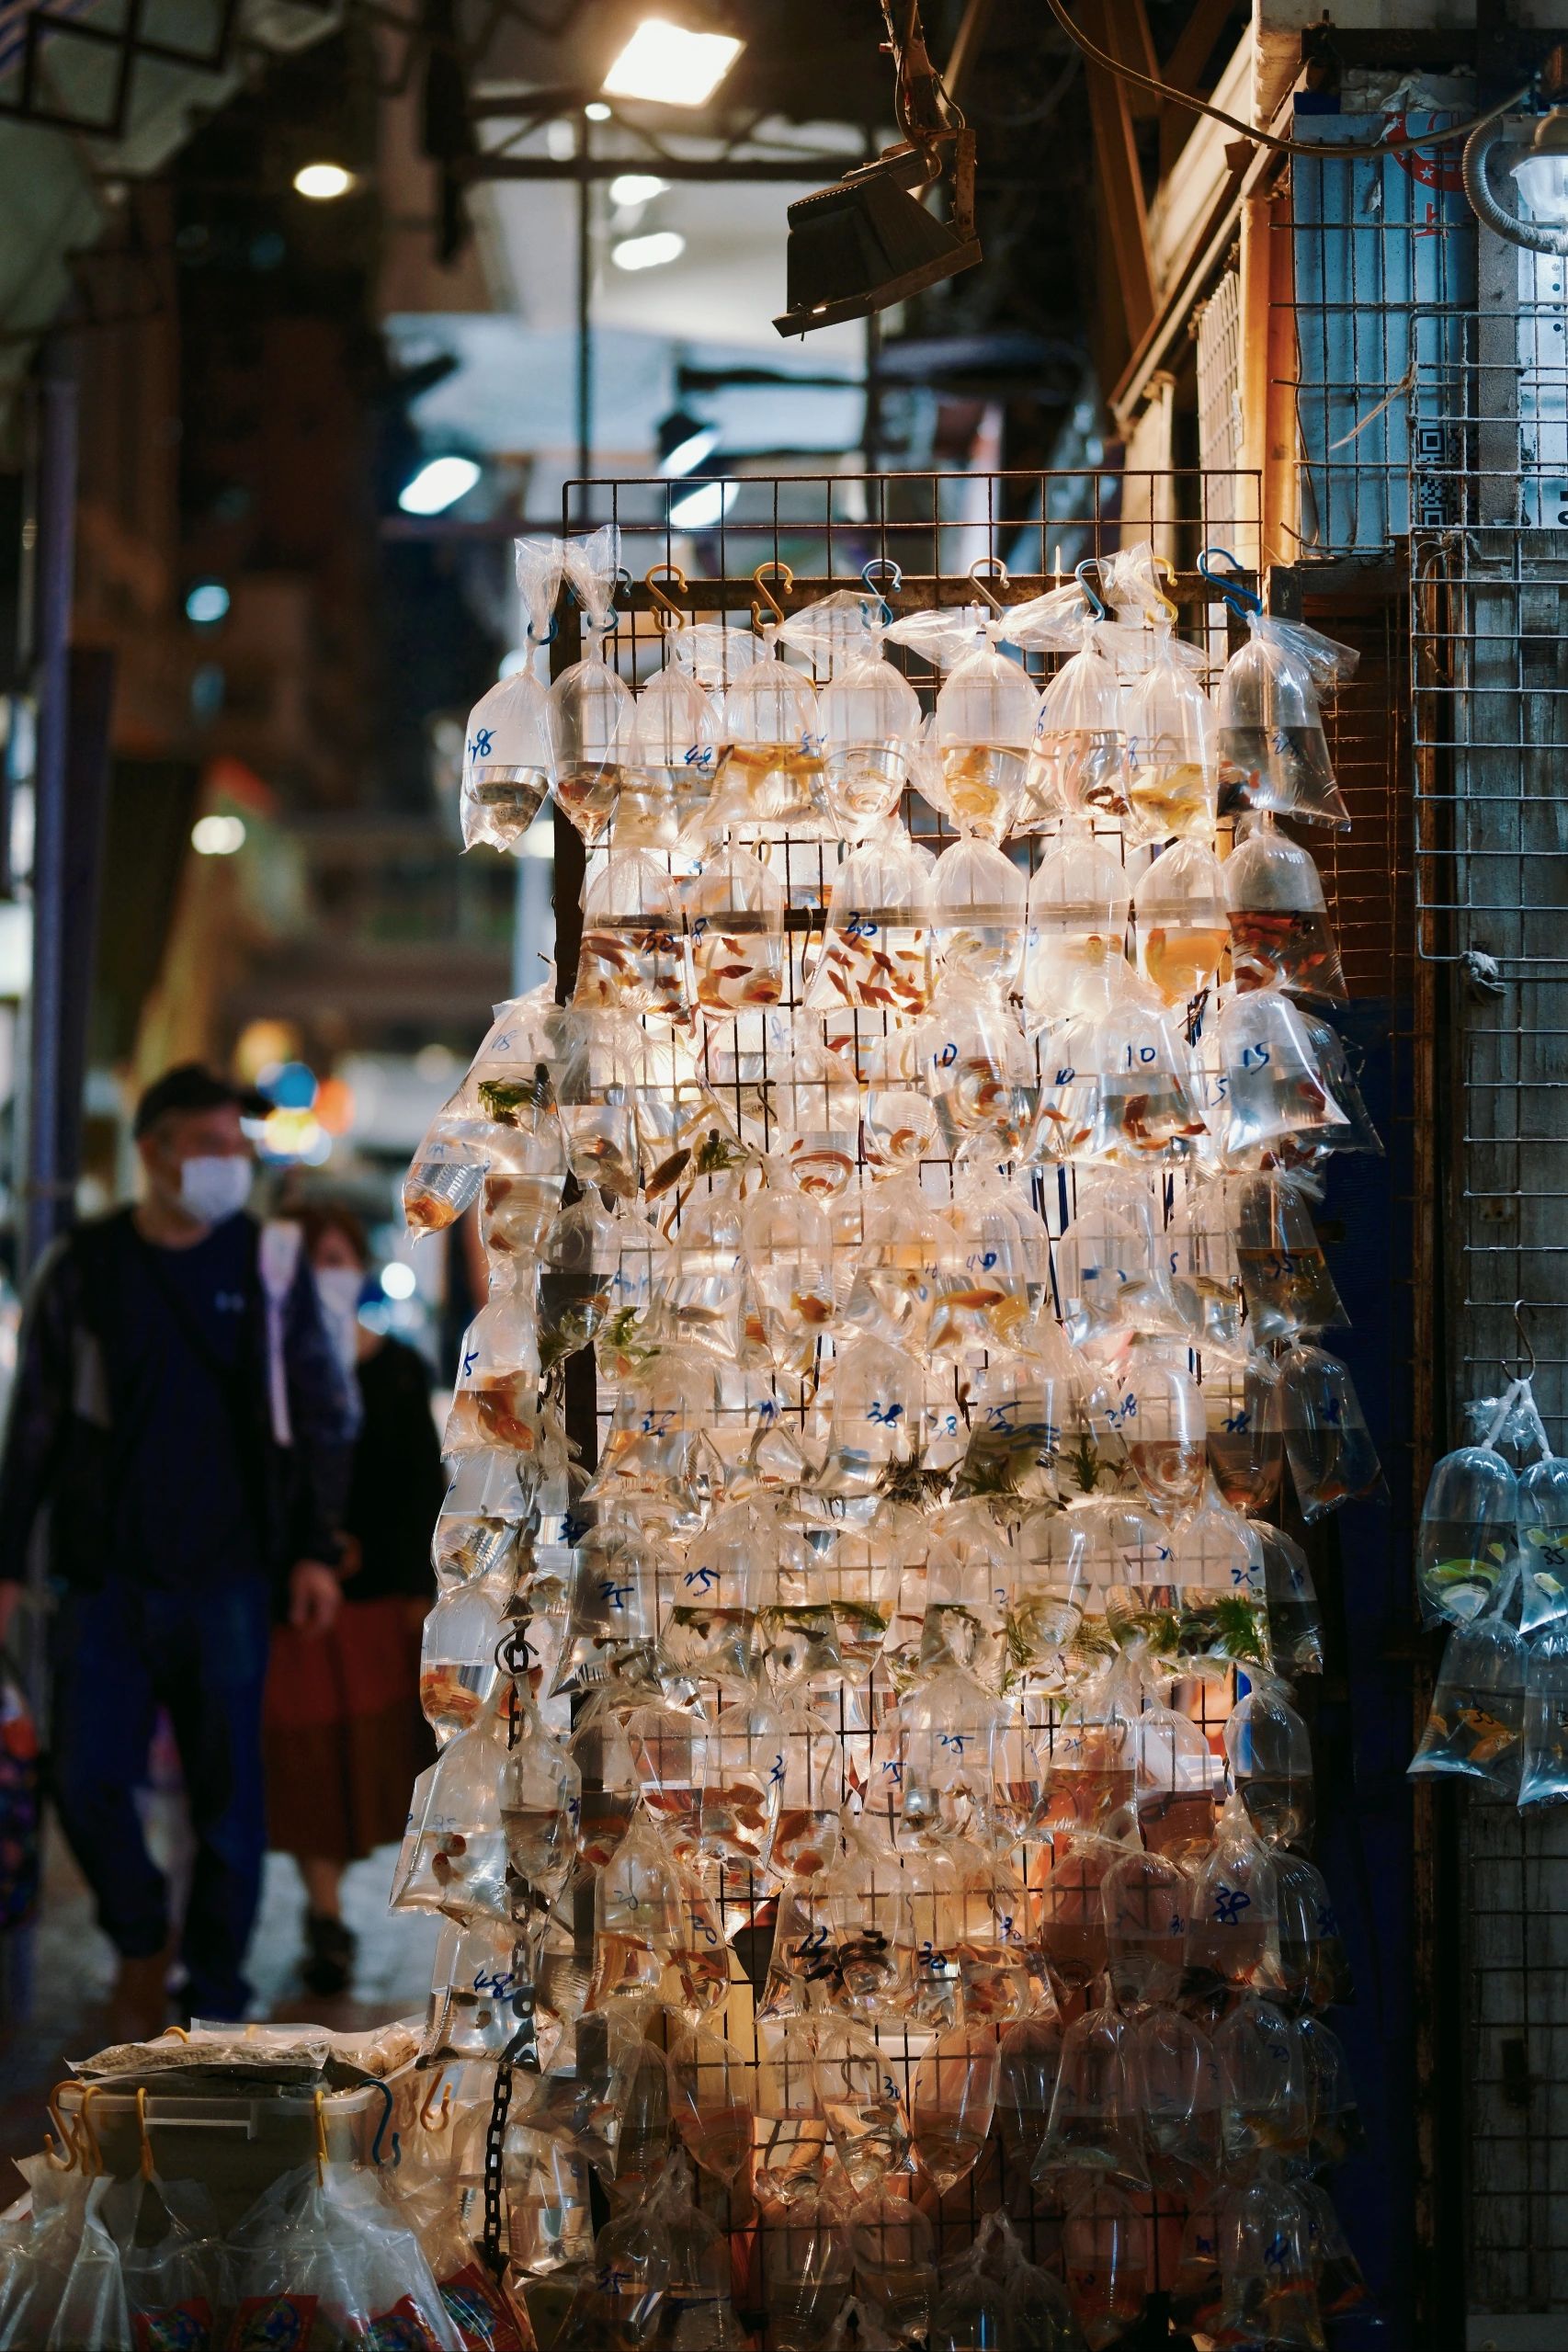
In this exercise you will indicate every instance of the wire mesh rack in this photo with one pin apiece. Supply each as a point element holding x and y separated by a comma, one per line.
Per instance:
<point>934,527</point>
<point>922,539</point>
<point>1382,283</point>
<point>1488,622</point>
<point>1431,392</point>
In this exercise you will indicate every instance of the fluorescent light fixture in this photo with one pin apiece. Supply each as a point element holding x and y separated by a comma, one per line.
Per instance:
<point>671,66</point>
<point>684,442</point>
<point>702,507</point>
<point>398,1280</point>
<point>207,602</point>
<point>636,188</point>
<point>596,112</point>
<point>217,836</point>
<point>439,483</point>
<point>321,182</point>
<point>651,252</point>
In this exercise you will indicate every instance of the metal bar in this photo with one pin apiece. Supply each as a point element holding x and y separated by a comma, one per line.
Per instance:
<point>92,676</point>
<point>43,1207</point>
<point>810,171</point>
<point>584,298</point>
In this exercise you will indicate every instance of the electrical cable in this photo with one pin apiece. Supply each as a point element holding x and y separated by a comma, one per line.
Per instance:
<point>1317,152</point>
<point>1530,236</point>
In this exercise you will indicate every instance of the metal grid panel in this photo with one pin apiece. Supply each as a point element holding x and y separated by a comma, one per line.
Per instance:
<point>935,528</point>
<point>1219,434</point>
<point>1489,615</point>
<point>1383,281</point>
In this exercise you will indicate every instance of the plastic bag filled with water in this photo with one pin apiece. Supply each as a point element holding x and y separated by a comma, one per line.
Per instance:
<point>1273,752</point>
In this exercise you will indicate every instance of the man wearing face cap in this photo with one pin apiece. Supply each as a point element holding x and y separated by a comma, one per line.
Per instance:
<point>180,1418</point>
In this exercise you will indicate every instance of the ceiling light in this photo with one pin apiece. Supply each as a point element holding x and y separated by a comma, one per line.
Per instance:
<point>651,252</point>
<point>206,602</point>
<point>684,442</point>
<point>700,508</point>
<point>868,243</point>
<point>671,66</point>
<point>636,188</point>
<point>321,182</point>
<point>439,483</point>
<point>217,836</point>
<point>596,112</point>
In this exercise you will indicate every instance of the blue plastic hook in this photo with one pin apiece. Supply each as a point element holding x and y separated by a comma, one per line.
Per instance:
<point>883,565</point>
<point>386,2118</point>
<point>1080,571</point>
<point>549,635</point>
<point>1231,586</point>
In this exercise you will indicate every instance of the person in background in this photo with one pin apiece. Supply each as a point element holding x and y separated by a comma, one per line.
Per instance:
<point>344,1737</point>
<point>180,1419</point>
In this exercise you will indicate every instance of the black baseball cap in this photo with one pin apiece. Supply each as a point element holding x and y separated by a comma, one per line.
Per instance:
<point>191,1086</point>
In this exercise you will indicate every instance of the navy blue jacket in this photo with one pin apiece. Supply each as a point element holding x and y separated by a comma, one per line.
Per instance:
<point>62,1453</point>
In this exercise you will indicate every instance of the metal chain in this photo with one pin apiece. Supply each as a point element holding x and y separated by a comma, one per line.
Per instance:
<point>494,2142</point>
<point>513,1654</point>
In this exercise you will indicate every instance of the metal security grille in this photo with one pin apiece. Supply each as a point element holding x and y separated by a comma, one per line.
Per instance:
<point>1220,439</point>
<point>1489,645</point>
<point>941,540</point>
<point>1383,277</point>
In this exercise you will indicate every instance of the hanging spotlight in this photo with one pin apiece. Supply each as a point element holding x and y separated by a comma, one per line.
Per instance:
<point>869,242</point>
<point>684,442</point>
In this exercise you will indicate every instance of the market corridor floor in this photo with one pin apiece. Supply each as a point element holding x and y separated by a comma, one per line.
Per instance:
<point>72,1968</point>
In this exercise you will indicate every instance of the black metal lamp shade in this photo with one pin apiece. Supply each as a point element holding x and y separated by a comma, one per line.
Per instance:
<point>863,244</point>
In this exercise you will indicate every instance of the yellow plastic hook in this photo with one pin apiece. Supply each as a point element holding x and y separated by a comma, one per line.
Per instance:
<point>89,2131</point>
<point>426,2123</point>
<point>666,614</point>
<point>777,571</point>
<point>64,2132</point>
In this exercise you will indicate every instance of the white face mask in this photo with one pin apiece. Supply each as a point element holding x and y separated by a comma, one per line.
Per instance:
<point>338,1289</point>
<point>213,1188</point>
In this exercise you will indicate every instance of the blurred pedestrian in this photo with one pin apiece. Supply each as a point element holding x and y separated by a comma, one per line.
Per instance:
<point>180,1418</point>
<point>345,1736</point>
